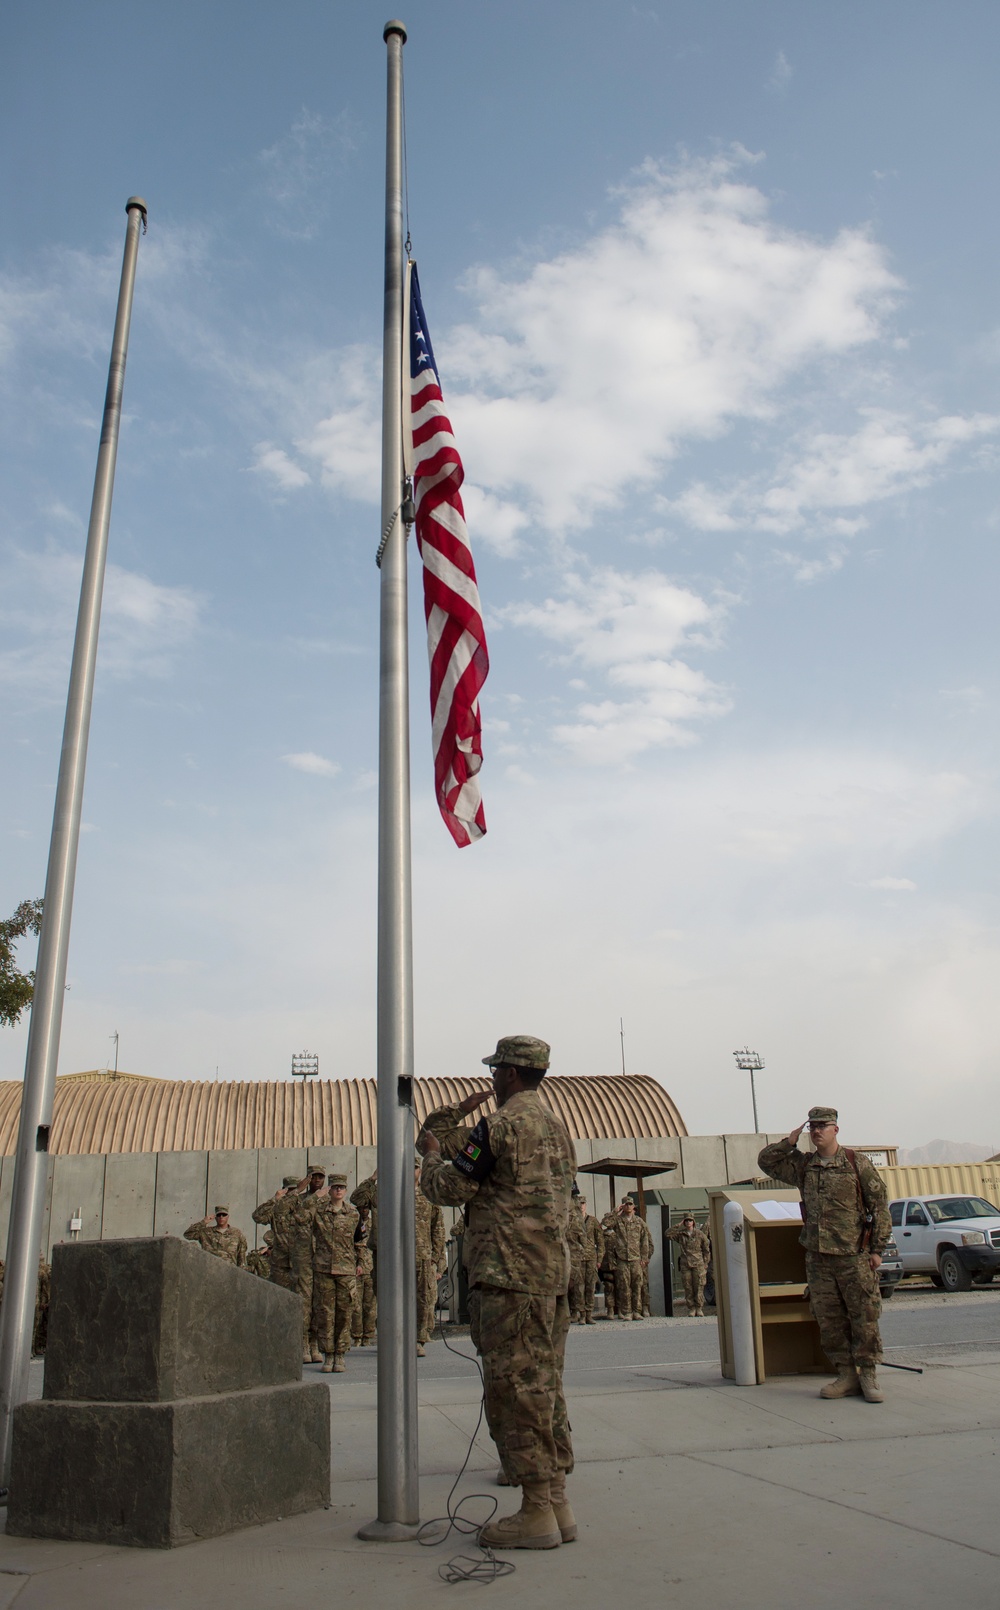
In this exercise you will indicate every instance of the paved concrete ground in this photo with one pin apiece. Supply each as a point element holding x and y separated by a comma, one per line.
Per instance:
<point>690,1492</point>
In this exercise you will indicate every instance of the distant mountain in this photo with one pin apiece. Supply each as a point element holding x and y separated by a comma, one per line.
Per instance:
<point>945,1151</point>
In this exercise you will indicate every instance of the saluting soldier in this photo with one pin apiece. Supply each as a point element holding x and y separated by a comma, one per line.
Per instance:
<point>215,1234</point>
<point>365,1314</point>
<point>259,1258</point>
<point>290,1213</point>
<point>514,1174</point>
<point>634,1247</point>
<point>845,1229</point>
<point>694,1250</point>
<point>430,1237</point>
<point>609,1263</point>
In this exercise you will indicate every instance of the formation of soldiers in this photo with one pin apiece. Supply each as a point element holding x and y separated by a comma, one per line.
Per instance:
<point>325,1248</point>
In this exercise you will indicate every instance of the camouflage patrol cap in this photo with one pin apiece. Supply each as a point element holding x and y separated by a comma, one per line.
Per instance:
<point>822,1115</point>
<point>688,1215</point>
<point>520,1051</point>
<point>218,1209</point>
<point>289,1180</point>
<point>316,1169</point>
<point>337,1179</point>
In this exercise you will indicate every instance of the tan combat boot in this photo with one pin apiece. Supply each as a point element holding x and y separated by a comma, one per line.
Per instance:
<point>327,1364</point>
<point>845,1386</point>
<point>565,1519</point>
<point>871,1391</point>
<point>533,1527</point>
<point>315,1356</point>
<point>338,1364</point>
<point>421,1350</point>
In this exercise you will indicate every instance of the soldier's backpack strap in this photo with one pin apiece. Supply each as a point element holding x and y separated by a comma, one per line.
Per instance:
<point>867,1217</point>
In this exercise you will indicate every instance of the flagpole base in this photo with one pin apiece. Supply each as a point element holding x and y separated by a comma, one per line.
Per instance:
<point>389,1531</point>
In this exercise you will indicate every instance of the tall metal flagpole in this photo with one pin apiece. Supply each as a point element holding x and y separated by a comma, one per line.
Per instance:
<point>398,1482</point>
<point>17,1313</point>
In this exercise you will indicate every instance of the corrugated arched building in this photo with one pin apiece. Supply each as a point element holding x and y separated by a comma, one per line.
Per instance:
<point>130,1155</point>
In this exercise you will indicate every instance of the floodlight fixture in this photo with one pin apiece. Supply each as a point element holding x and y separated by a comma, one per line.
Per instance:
<point>305,1065</point>
<point>750,1062</point>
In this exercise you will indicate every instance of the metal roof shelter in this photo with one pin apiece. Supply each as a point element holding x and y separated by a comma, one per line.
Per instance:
<point>629,1169</point>
<point>101,1112</point>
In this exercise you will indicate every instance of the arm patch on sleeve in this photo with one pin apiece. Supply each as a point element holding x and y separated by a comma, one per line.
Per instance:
<point>476,1159</point>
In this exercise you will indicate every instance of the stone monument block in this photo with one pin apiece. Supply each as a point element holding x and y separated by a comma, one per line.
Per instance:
<point>174,1407</point>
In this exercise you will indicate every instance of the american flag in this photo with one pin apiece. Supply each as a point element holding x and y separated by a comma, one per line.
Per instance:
<point>456,640</point>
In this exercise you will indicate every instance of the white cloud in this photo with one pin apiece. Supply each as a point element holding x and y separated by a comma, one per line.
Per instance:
<point>781,73</point>
<point>827,474</point>
<point>629,628</point>
<point>312,764</point>
<point>347,442</point>
<point>274,461</point>
<point>584,375</point>
<point>143,623</point>
<point>296,171</point>
<point>892,885</point>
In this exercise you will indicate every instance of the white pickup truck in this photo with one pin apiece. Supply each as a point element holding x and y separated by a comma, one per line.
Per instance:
<point>953,1239</point>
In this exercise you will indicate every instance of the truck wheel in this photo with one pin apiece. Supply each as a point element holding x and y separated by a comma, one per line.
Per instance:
<point>886,1292</point>
<point>983,1279</point>
<point>954,1275</point>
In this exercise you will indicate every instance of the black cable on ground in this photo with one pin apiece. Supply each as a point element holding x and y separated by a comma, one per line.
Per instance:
<point>465,1567</point>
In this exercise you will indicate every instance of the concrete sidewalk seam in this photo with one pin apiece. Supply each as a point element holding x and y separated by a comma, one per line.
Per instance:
<point>718,1463</point>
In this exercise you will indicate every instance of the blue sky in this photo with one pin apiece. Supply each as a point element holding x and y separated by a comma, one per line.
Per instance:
<point>713,292</point>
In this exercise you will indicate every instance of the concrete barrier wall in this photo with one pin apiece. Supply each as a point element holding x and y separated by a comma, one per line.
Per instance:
<point>161,1193</point>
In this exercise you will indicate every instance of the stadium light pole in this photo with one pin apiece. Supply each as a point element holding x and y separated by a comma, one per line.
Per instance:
<point>750,1062</point>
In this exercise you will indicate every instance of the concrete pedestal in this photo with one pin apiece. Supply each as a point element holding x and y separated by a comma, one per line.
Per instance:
<point>174,1407</point>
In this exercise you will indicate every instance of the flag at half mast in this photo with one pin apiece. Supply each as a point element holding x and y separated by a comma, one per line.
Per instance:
<point>456,640</point>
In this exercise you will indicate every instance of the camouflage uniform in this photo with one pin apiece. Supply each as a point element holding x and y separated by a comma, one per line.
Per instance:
<point>291,1219</point>
<point>366,1196</point>
<point>259,1263</point>
<point>609,1263</point>
<point>364,1315</point>
<point>430,1255</point>
<point>335,1263</point>
<point>515,1172</point>
<point>576,1235</point>
<point>593,1257</point>
<point>230,1243</point>
<point>633,1243</point>
<point>843,1287</point>
<point>694,1251</point>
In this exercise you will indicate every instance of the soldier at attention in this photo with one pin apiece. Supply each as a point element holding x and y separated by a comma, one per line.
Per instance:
<point>514,1173</point>
<point>576,1235</point>
<point>844,1231</point>
<point>216,1235</point>
<point>335,1230</point>
<point>593,1256</point>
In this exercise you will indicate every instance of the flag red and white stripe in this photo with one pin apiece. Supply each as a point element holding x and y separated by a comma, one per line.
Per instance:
<point>456,640</point>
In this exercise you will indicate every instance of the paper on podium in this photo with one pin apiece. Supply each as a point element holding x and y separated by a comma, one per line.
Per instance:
<point>779,1210</point>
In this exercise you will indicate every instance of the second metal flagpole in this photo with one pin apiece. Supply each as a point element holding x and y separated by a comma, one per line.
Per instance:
<point>398,1479</point>
<point>24,1242</point>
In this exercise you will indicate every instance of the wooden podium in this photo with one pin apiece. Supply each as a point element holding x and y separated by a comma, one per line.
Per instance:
<point>785,1335</point>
